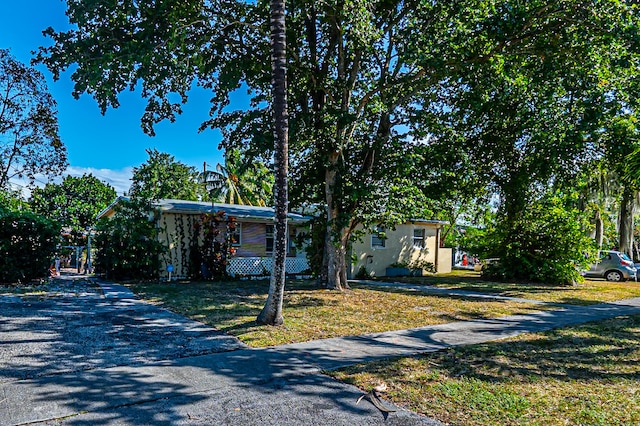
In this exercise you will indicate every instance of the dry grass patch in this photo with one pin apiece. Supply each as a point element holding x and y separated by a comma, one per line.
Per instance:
<point>586,293</point>
<point>312,313</point>
<point>576,376</point>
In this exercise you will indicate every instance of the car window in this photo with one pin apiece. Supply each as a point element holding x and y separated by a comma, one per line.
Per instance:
<point>625,257</point>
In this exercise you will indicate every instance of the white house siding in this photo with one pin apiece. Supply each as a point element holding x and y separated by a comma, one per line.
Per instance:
<point>399,248</point>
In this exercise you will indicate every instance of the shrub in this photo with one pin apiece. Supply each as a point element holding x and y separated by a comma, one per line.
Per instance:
<point>547,243</point>
<point>127,244</point>
<point>27,245</point>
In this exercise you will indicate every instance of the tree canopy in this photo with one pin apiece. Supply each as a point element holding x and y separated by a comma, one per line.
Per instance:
<point>389,101</point>
<point>161,176</point>
<point>73,204</point>
<point>29,139</point>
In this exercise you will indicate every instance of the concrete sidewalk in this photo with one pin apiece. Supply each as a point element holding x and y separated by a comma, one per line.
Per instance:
<point>281,385</point>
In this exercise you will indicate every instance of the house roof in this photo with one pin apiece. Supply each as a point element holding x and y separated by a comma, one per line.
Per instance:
<point>438,223</point>
<point>238,211</point>
<point>252,213</point>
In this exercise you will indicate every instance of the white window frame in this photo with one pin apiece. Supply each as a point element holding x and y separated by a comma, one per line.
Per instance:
<point>269,235</point>
<point>419,241</point>
<point>378,242</point>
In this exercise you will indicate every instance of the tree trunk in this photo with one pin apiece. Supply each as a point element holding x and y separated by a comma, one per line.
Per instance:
<point>625,229</point>
<point>335,247</point>
<point>599,229</point>
<point>272,312</point>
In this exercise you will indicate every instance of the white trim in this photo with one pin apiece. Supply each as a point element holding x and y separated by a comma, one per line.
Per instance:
<point>422,239</point>
<point>377,230</point>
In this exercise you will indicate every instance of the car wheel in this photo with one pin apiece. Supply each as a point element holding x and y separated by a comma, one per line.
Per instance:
<point>613,276</point>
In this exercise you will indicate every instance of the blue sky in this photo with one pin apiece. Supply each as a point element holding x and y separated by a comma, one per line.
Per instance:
<point>108,146</point>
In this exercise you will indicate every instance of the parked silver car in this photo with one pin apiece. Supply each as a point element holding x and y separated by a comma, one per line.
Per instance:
<point>613,266</point>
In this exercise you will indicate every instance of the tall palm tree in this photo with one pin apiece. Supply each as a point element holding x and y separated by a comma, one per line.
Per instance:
<point>272,311</point>
<point>239,182</point>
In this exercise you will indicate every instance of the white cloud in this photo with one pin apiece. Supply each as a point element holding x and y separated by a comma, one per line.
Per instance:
<point>119,179</point>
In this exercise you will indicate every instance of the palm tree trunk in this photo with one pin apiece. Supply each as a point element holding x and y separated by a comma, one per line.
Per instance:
<point>272,311</point>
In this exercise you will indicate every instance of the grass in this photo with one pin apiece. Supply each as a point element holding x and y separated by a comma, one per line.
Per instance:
<point>311,313</point>
<point>585,293</point>
<point>584,375</point>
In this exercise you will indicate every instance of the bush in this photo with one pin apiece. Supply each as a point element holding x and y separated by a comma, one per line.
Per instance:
<point>547,244</point>
<point>27,245</point>
<point>127,244</point>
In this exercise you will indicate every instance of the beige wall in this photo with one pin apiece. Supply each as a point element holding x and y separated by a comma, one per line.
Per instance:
<point>399,248</point>
<point>174,226</point>
<point>171,228</point>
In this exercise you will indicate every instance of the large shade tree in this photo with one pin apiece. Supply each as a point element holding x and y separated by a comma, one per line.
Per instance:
<point>29,141</point>
<point>364,72</point>
<point>168,45</point>
<point>360,74</point>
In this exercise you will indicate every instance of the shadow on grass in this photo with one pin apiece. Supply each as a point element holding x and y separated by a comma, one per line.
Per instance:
<point>92,360</point>
<point>602,351</point>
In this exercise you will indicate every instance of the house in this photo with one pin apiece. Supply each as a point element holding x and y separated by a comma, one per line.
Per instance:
<point>251,236</point>
<point>416,244</point>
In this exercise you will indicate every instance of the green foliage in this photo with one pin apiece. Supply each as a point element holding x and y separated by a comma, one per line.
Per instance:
<point>27,245</point>
<point>240,181</point>
<point>519,89</point>
<point>74,203</point>
<point>29,140</point>
<point>211,257</point>
<point>127,243</point>
<point>363,274</point>
<point>12,201</point>
<point>468,238</point>
<point>546,243</point>
<point>164,177</point>
<point>424,265</point>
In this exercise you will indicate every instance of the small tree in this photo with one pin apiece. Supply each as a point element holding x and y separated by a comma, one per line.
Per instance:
<point>27,245</point>
<point>127,243</point>
<point>74,203</point>
<point>547,243</point>
<point>29,140</point>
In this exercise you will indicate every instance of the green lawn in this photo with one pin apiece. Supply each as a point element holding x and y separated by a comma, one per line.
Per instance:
<point>586,375</point>
<point>588,292</point>
<point>312,313</point>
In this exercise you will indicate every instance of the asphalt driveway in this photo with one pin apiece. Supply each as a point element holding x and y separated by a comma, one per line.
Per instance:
<point>82,354</point>
<point>75,327</point>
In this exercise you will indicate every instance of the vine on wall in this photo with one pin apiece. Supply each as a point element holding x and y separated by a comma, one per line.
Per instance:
<point>210,246</point>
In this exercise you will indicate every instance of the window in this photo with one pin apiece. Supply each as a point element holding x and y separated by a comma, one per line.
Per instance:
<point>378,238</point>
<point>269,239</point>
<point>235,235</point>
<point>419,238</point>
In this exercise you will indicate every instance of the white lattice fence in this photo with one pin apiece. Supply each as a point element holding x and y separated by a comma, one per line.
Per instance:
<point>263,265</point>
